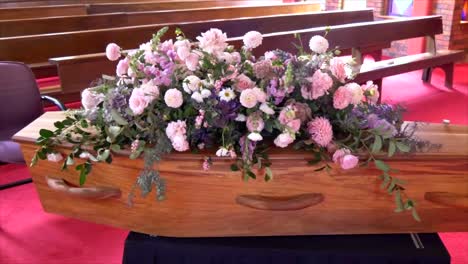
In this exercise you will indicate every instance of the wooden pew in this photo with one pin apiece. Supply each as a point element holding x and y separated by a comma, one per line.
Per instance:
<point>31,3</point>
<point>93,65</point>
<point>42,11</point>
<point>9,28</point>
<point>356,36</point>
<point>16,13</point>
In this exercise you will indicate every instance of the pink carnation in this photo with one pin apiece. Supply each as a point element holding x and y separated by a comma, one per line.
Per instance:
<point>173,98</point>
<point>252,39</point>
<point>113,52</point>
<point>248,98</point>
<point>213,41</point>
<point>283,140</point>
<point>320,84</point>
<point>318,44</point>
<point>320,131</point>
<point>337,67</point>
<point>243,82</point>
<point>342,98</point>
<point>255,122</point>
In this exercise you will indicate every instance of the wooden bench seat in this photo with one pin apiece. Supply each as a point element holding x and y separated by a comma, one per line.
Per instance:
<point>10,28</point>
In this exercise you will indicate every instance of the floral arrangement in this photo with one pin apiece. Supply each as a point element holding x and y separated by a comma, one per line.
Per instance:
<point>181,95</point>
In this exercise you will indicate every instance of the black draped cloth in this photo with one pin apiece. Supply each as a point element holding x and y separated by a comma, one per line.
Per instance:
<point>338,249</point>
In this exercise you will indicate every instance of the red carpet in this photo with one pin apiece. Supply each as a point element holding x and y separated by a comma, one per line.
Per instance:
<point>29,235</point>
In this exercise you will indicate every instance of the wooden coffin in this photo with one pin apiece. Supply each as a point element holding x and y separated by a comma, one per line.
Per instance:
<point>297,201</point>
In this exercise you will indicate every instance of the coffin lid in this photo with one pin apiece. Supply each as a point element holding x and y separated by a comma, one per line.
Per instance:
<point>453,140</point>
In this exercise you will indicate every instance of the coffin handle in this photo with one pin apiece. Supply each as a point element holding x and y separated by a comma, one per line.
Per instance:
<point>94,193</point>
<point>283,203</point>
<point>448,199</point>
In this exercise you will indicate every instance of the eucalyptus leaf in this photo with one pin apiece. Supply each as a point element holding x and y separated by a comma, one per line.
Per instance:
<point>403,147</point>
<point>391,148</point>
<point>268,174</point>
<point>381,165</point>
<point>415,215</point>
<point>377,146</point>
<point>118,118</point>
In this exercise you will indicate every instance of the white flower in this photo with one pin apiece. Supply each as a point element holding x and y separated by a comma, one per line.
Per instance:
<point>84,155</point>
<point>267,109</point>
<point>226,57</point>
<point>252,39</point>
<point>90,99</point>
<point>222,152</point>
<point>197,97</point>
<point>191,84</point>
<point>205,93</point>
<point>227,94</point>
<point>241,118</point>
<point>54,157</point>
<point>173,98</point>
<point>255,136</point>
<point>318,44</point>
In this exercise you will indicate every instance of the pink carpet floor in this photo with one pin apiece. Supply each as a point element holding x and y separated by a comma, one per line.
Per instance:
<point>29,235</point>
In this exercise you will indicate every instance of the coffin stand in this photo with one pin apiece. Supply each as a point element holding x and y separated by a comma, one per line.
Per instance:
<point>298,201</point>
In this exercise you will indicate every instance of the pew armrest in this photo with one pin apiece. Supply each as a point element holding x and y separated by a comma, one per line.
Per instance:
<point>54,101</point>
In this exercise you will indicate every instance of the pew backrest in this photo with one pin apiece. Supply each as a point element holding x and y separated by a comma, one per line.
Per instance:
<point>84,42</point>
<point>42,11</point>
<point>356,36</point>
<point>9,28</point>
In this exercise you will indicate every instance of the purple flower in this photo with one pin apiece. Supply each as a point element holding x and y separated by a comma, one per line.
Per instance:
<point>227,112</point>
<point>374,122</point>
<point>250,148</point>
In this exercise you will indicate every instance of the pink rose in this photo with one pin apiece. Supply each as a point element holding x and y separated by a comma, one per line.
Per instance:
<point>213,41</point>
<point>356,92</point>
<point>90,99</point>
<point>192,61</point>
<point>138,101</point>
<point>342,98</point>
<point>180,143</point>
<point>320,84</point>
<point>173,98</point>
<point>260,94</point>
<point>151,91</point>
<point>294,125</point>
<point>339,154</point>
<point>122,67</point>
<point>337,67</point>
<point>255,122</point>
<point>252,39</point>
<point>248,98</point>
<point>112,52</point>
<point>243,82</point>
<point>349,161</point>
<point>283,140</point>
<point>54,157</point>
<point>286,115</point>
<point>175,128</point>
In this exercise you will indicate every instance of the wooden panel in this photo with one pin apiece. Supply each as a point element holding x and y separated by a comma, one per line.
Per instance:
<point>22,27</point>
<point>152,6</point>
<point>203,203</point>
<point>85,42</point>
<point>42,11</point>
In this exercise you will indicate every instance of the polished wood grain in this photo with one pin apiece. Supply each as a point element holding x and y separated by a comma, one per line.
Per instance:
<point>41,11</point>
<point>9,28</point>
<point>205,203</point>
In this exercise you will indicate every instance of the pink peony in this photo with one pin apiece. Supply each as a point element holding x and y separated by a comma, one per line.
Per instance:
<point>255,122</point>
<point>112,52</point>
<point>337,67</point>
<point>192,61</point>
<point>320,84</point>
<point>318,44</point>
<point>175,128</point>
<point>356,92</point>
<point>213,41</point>
<point>252,39</point>
<point>122,67</point>
<point>173,98</point>
<point>283,140</point>
<point>243,82</point>
<point>90,99</point>
<point>182,48</point>
<point>248,98</point>
<point>179,143</point>
<point>320,131</point>
<point>342,98</point>
<point>138,101</point>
